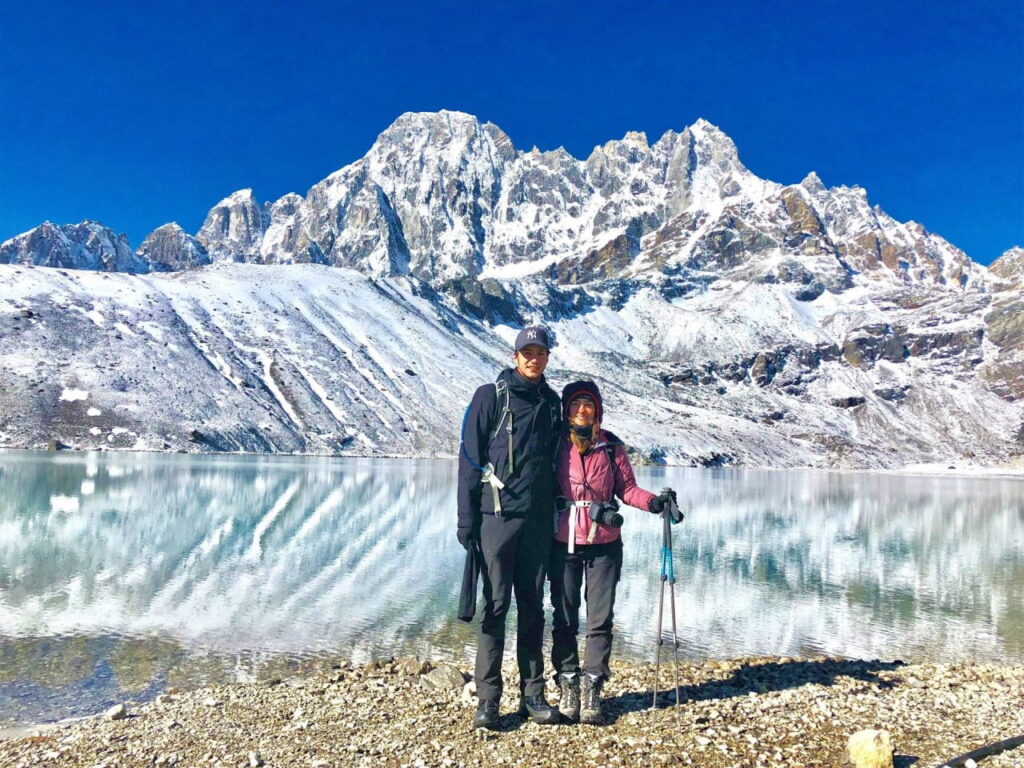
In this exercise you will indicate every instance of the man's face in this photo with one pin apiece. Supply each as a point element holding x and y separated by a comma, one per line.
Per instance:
<point>531,361</point>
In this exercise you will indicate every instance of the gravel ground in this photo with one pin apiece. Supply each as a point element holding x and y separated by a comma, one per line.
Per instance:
<point>748,713</point>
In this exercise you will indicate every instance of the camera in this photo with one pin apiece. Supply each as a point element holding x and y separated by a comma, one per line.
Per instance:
<point>606,513</point>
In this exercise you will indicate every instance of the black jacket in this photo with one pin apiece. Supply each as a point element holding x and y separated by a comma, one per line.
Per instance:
<point>530,486</point>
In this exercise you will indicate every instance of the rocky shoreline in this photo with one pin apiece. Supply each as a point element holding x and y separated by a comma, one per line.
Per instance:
<point>744,713</point>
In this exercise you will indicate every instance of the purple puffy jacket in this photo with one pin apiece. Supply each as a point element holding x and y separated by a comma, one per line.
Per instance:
<point>591,477</point>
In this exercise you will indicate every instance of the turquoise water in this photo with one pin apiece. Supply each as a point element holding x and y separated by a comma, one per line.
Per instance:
<point>121,574</point>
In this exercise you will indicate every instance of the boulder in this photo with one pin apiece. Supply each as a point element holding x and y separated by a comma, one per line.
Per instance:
<point>410,667</point>
<point>869,749</point>
<point>446,677</point>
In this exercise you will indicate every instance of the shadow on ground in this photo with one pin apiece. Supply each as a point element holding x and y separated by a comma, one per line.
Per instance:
<point>757,678</point>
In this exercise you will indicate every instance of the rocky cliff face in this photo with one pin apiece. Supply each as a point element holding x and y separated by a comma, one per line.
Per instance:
<point>88,245</point>
<point>1004,328</point>
<point>234,228</point>
<point>170,249</point>
<point>444,198</point>
<point>1008,269</point>
<point>754,322</point>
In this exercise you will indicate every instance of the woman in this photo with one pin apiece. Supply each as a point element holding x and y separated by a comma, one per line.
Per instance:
<point>591,469</point>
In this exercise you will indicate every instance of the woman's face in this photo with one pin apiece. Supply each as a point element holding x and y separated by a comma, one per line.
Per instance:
<point>581,412</point>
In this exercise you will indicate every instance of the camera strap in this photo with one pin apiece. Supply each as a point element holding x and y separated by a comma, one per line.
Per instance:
<point>578,507</point>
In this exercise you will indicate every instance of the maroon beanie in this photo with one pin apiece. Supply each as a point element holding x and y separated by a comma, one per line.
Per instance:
<point>577,388</point>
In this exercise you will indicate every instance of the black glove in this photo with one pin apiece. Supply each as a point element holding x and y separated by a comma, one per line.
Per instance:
<point>562,504</point>
<point>466,535</point>
<point>665,502</point>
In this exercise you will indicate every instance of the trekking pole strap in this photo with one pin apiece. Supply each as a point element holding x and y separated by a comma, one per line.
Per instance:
<point>488,477</point>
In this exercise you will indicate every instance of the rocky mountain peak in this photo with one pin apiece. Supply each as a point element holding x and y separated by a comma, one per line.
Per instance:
<point>630,149</point>
<point>457,133</point>
<point>439,176</point>
<point>637,138</point>
<point>713,146</point>
<point>86,245</point>
<point>448,199</point>
<point>287,204</point>
<point>169,248</point>
<point>813,184</point>
<point>234,227</point>
<point>1009,268</point>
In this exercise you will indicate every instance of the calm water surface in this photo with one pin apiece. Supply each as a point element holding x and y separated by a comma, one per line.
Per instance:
<point>121,574</point>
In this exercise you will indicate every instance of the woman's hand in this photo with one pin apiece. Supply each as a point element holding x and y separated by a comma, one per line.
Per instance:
<point>666,500</point>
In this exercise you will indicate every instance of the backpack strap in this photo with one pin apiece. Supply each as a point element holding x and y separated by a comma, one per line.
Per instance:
<point>487,473</point>
<point>504,412</point>
<point>609,451</point>
<point>500,407</point>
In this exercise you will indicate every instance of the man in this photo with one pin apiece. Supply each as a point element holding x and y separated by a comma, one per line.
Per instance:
<point>506,507</point>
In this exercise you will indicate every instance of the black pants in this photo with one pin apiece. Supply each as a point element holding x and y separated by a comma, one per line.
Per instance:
<point>601,566</point>
<point>515,560</point>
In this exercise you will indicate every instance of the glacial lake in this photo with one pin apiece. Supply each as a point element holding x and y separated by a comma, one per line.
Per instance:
<point>123,574</point>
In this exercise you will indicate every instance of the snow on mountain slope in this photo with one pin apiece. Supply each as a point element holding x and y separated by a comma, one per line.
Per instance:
<point>297,359</point>
<point>732,319</point>
<point>314,359</point>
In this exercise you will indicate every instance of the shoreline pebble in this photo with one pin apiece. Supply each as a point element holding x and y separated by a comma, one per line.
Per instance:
<point>744,713</point>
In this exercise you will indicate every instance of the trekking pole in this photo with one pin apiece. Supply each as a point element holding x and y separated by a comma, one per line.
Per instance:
<point>672,598</point>
<point>661,607</point>
<point>667,575</point>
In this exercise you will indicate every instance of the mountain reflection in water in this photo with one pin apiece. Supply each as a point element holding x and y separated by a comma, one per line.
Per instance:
<point>122,573</point>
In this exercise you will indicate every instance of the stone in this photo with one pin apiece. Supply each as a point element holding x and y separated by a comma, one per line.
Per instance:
<point>869,749</point>
<point>411,667</point>
<point>255,760</point>
<point>469,694</point>
<point>446,677</point>
<point>116,712</point>
<point>212,702</point>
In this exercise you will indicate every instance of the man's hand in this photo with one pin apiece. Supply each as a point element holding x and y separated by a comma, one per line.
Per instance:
<point>466,535</point>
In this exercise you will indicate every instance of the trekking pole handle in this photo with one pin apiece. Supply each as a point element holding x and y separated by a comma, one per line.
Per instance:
<point>667,566</point>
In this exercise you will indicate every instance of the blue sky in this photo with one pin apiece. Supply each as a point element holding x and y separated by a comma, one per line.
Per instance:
<point>139,114</point>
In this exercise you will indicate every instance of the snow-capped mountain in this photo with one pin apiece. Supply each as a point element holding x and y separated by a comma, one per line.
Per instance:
<point>731,318</point>
<point>87,245</point>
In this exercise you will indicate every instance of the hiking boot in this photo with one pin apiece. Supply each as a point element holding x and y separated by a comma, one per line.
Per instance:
<point>486,714</point>
<point>569,703</point>
<point>590,704</point>
<point>538,710</point>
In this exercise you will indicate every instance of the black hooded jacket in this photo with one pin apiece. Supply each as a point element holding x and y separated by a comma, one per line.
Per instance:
<point>530,486</point>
